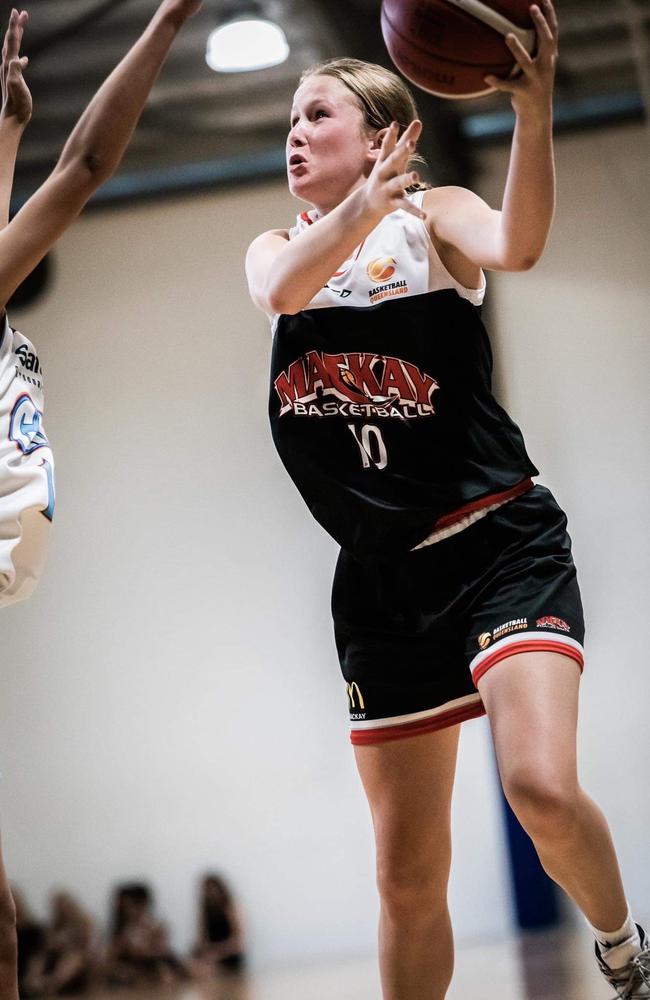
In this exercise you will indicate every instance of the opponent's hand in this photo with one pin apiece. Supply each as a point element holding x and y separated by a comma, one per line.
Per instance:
<point>179,11</point>
<point>16,97</point>
<point>385,189</point>
<point>533,88</point>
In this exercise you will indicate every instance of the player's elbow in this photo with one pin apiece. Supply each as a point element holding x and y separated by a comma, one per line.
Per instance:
<point>279,302</point>
<point>85,168</point>
<point>528,261</point>
<point>520,261</point>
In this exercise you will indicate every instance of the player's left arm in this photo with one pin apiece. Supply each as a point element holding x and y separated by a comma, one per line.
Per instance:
<point>514,238</point>
<point>16,110</point>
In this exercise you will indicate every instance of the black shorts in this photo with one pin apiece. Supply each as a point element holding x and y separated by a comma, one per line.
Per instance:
<point>415,636</point>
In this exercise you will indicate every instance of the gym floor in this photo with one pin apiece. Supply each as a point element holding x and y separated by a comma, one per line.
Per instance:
<point>557,966</point>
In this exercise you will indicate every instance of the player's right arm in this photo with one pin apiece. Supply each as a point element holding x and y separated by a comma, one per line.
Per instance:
<point>93,151</point>
<point>284,275</point>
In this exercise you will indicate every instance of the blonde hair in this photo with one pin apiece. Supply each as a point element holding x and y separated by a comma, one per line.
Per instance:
<point>381,95</point>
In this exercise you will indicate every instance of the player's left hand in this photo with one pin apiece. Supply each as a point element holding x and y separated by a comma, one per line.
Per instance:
<point>533,87</point>
<point>16,97</point>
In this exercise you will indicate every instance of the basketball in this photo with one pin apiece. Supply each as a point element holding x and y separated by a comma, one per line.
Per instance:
<point>447,47</point>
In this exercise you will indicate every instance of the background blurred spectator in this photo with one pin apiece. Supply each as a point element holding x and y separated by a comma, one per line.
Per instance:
<point>68,958</point>
<point>220,945</point>
<point>31,940</point>
<point>139,952</point>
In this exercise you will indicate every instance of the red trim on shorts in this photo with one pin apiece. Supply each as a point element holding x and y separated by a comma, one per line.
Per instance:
<point>384,734</point>
<point>470,508</point>
<point>528,646</point>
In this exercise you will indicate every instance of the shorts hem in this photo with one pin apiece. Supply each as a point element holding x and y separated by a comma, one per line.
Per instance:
<point>441,720</point>
<point>531,643</point>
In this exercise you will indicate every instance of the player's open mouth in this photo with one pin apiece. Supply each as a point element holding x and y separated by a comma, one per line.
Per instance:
<point>296,161</point>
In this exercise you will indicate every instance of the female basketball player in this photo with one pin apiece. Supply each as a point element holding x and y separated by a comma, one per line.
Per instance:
<point>455,592</point>
<point>89,157</point>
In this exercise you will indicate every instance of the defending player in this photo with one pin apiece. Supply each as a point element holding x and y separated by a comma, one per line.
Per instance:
<point>455,592</point>
<point>89,157</point>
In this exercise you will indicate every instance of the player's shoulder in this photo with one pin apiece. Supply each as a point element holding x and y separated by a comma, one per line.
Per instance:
<point>447,196</point>
<point>269,237</point>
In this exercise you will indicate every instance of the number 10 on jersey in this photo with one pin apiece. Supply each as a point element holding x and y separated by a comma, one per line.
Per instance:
<point>371,445</point>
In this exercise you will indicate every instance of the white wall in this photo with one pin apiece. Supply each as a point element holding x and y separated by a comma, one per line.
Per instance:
<point>172,696</point>
<point>573,341</point>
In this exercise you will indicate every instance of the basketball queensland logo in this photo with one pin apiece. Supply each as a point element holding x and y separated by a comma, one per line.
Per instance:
<point>357,385</point>
<point>380,270</point>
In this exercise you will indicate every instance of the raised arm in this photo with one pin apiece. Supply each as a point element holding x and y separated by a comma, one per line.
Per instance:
<point>511,239</point>
<point>93,151</point>
<point>16,108</point>
<point>284,275</point>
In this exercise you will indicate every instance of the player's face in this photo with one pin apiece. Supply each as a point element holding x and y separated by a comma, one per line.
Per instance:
<point>327,147</point>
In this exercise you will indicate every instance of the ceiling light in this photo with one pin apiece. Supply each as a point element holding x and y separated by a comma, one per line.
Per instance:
<point>245,44</point>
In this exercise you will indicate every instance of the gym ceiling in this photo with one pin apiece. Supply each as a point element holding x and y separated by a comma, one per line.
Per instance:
<point>202,129</point>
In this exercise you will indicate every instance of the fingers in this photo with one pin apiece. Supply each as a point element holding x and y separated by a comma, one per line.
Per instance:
<point>410,135</point>
<point>543,28</point>
<point>14,34</point>
<point>406,180</point>
<point>523,59</point>
<point>388,141</point>
<point>412,209</point>
<point>551,18</point>
<point>16,67</point>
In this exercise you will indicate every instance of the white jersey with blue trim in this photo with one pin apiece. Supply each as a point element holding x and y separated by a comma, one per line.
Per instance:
<point>397,258</point>
<point>26,468</point>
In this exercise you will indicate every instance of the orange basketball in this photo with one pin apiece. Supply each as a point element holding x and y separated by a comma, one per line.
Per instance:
<point>447,47</point>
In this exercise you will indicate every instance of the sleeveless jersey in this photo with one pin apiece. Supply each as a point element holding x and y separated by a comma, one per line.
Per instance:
<point>26,468</point>
<point>380,400</point>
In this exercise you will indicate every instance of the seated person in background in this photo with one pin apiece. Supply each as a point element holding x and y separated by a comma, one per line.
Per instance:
<point>139,952</point>
<point>220,943</point>
<point>30,940</point>
<point>68,959</point>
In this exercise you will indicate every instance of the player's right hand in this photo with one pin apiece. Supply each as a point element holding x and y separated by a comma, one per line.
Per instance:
<point>385,189</point>
<point>16,97</point>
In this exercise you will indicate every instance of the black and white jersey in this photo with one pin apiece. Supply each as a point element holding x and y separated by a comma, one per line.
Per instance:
<point>26,468</point>
<point>380,400</point>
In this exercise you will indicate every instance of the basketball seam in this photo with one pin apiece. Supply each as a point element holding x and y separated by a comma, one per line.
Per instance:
<point>428,52</point>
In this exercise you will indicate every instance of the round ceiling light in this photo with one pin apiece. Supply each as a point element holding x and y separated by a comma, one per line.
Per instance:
<point>246,44</point>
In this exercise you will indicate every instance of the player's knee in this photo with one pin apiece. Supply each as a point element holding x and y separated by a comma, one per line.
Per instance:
<point>411,884</point>
<point>545,805</point>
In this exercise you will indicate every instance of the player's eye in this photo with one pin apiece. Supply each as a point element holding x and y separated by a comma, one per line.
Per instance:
<point>320,113</point>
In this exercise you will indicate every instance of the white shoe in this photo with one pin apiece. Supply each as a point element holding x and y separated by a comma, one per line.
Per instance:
<point>631,981</point>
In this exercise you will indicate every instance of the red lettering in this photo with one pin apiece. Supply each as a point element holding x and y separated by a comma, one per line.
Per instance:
<point>316,372</point>
<point>395,378</point>
<point>361,367</point>
<point>425,386</point>
<point>290,385</point>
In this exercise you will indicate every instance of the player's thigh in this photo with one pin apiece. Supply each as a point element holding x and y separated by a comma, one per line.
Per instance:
<point>531,701</point>
<point>409,784</point>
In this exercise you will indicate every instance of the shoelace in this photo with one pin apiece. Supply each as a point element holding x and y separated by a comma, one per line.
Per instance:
<point>639,976</point>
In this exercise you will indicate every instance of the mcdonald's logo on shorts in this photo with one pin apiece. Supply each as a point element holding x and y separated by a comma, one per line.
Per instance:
<point>355,697</point>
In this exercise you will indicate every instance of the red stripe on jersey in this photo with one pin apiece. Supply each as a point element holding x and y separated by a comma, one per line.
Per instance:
<point>305,218</point>
<point>470,508</point>
<point>541,645</point>
<point>364,737</point>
